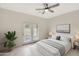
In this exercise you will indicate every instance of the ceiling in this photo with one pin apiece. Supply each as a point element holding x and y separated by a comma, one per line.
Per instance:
<point>29,8</point>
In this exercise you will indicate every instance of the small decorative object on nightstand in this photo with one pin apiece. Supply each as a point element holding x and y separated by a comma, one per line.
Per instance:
<point>76,42</point>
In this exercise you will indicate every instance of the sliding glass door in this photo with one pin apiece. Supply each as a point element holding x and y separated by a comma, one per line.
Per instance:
<point>31,32</point>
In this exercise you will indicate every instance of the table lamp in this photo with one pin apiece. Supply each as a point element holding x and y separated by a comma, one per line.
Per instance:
<point>77,38</point>
<point>51,34</point>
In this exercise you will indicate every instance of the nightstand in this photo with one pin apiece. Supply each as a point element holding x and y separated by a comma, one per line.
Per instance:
<point>76,45</point>
<point>76,41</point>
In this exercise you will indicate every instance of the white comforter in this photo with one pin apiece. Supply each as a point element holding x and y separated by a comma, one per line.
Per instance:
<point>36,50</point>
<point>66,44</point>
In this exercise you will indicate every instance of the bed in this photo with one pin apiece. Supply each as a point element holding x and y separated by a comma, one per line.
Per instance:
<point>53,47</point>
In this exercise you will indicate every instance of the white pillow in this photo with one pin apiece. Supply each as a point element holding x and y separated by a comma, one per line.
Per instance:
<point>55,35</point>
<point>64,36</point>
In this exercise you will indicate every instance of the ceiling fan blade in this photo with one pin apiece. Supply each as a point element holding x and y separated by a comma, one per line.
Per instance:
<point>51,10</point>
<point>54,5</point>
<point>43,12</point>
<point>41,9</point>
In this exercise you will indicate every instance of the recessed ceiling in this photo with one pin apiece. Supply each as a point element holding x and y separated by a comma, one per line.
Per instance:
<point>29,8</point>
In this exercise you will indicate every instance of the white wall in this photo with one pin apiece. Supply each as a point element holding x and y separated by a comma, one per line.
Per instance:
<point>10,20</point>
<point>71,18</point>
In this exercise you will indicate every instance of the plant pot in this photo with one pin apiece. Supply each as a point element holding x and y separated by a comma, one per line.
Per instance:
<point>5,50</point>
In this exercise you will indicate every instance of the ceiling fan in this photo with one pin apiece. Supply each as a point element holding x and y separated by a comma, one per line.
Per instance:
<point>48,8</point>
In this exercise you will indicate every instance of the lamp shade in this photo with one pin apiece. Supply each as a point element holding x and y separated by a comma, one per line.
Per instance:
<point>77,36</point>
<point>50,33</point>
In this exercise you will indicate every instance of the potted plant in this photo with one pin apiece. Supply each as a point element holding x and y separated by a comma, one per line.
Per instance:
<point>10,37</point>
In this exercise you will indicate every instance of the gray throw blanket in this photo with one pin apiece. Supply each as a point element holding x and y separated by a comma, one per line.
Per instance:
<point>58,46</point>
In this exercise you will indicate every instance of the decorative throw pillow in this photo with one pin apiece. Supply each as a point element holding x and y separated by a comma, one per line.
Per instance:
<point>58,37</point>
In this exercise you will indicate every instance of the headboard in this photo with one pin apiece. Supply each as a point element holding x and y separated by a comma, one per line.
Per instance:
<point>63,28</point>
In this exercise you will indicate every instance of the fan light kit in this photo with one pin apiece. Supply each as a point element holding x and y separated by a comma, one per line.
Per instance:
<point>48,8</point>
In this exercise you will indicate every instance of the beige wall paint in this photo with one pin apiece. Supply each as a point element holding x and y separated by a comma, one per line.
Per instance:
<point>69,18</point>
<point>10,20</point>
